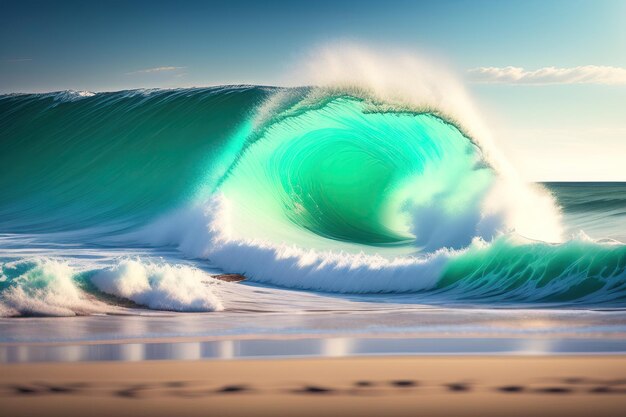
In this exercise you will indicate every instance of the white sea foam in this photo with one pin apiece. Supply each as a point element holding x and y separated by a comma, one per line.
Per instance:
<point>71,95</point>
<point>50,287</point>
<point>42,286</point>
<point>159,285</point>
<point>202,232</point>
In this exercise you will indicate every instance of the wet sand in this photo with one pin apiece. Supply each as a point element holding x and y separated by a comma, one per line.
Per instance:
<point>376,386</point>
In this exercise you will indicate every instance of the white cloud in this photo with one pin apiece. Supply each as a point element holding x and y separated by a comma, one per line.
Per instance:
<point>587,74</point>
<point>156,69</point>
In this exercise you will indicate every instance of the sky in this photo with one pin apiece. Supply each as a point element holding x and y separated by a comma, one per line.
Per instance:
<point>549,77</point>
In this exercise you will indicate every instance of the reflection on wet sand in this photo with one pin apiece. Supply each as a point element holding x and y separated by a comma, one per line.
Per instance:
<point>304,347</point>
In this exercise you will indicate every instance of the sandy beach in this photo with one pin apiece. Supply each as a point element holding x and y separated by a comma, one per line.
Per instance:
<point>375,386</point>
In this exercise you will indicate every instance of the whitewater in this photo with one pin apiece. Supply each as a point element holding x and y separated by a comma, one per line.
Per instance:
<point>369,184</point>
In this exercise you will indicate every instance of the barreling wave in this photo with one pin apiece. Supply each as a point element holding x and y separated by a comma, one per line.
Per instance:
<point>367,183</point>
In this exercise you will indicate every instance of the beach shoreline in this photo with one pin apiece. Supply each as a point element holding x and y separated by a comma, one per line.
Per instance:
<point>359,386</point>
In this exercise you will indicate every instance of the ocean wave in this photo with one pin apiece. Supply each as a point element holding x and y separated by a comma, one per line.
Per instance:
<point>52,287</point>
<point>580,271</point>
<point>378,178</point>
<point>159,286</point>
<point>44,287</point>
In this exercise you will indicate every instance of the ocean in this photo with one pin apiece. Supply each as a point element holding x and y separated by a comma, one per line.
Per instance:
<point>348,216</point>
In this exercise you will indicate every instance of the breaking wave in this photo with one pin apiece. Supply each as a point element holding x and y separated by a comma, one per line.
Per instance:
<point>379,179</point>
<point>51,287</point>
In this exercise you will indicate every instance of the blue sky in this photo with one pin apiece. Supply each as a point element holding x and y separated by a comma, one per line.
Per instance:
<point>560,114</point>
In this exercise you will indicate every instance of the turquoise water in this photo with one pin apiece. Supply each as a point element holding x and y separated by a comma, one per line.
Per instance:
<point>133,199</point>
